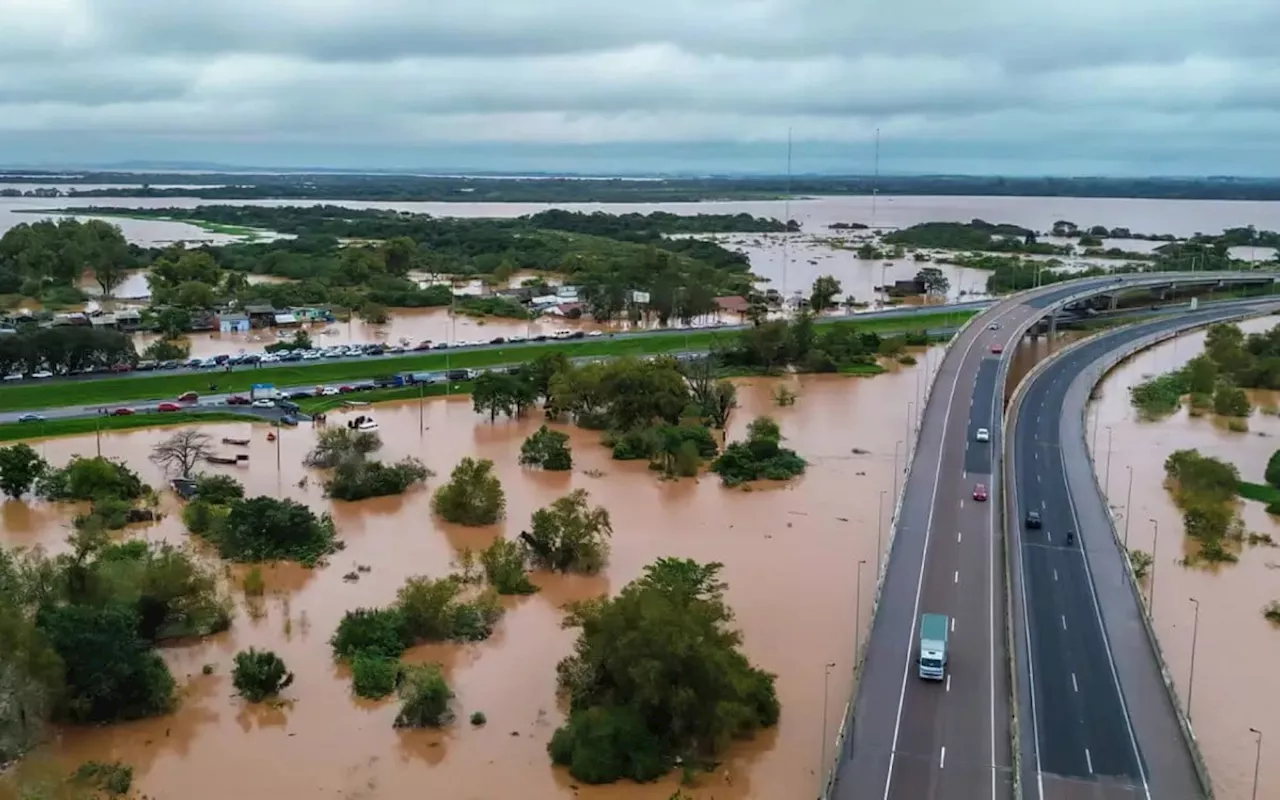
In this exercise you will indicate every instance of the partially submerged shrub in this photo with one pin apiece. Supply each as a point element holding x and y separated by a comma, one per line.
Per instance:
<point>259,674</point>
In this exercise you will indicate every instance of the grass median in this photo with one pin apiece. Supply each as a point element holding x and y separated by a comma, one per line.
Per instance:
<point>161,386</point>
<point>13,431</point>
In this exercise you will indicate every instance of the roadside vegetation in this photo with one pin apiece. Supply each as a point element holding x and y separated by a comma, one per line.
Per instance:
<point>1215,380</point>
<point>1205,490</point>
<point>698,693</point>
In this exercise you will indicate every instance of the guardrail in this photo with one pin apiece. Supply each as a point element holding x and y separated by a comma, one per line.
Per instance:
<point>1095,375</point>
<point>828,781</point>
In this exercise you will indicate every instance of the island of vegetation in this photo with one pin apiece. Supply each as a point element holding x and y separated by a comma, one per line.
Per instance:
<point>203,183</point>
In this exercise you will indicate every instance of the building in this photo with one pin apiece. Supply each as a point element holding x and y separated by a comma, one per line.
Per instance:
<point>734,304</point>
<point>234,322</point>
<point>284,319</point>
<point>261,316</point>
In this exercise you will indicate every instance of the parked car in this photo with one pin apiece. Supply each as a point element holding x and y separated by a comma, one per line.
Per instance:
<point>44,373</point>
<point>122,412</point>
<point>328,391</point>
<point>146,366</point>
<point>264,402</point>
<point>31,417</point>
<point>121,367</point>
<point>188,397</point>
<point>168,407</point>
<point>345,389</point>
<point>238,400</point>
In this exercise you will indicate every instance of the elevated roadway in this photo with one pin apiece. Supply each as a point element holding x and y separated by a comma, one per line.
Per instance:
<point>1099,719</point>
<point>905,737</point>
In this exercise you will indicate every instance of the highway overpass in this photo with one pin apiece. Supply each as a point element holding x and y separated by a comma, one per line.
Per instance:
<point>911,739</point>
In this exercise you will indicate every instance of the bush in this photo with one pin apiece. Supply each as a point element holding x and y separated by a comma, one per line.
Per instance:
<point>504,568</point>
<point>759,457</point>
<point>267,529</point>
<point>339,444</point>
<point>478,718</point>
<point>547,449</point>
<point>218,490</point>
<point>92,478</point>
<point>425,697</point>
<point>695,692</point>
<point>114,778</point>
<point>1272,612</point>
<point>357,480</point>
<point>20,468</point>
<point>254,585</point>
<point>374,676</point>
<point>111,674</point>
<point>372,631</point>
<point>473,495</point>
<point>1272,473</point>
<point>1159,395</point>
<point>568,536</point>
<point>259,674</point>
<point>1231,401</point>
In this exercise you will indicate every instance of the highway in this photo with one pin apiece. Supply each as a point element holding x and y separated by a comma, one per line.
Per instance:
<point>1099,722</point>
<point>907,738</point>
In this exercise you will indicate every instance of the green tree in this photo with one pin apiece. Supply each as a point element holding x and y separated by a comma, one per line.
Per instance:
<point>656,675</point>
<point>541,370</point>
<point>219,489</point>
<point>266,529</point>
<point>336,445</point>
<point>399,254</point>
<point>760,456</point>
<point>547,449</point>
<point>569,536</point>
<point>497,393</point>
<point>168,349</point>
<point>825,290</point>
<point>20,468</point>
<point>1231,401</point>
<point>933,281</point>
<point>424,697</point>
<point>504,568</point>
<point>1272,474</point>
<point>473,495</point>
<point>1201,375</point>
<point>259,674</point>
<point>378,631</point>
<point>173,322</point>
<point>194,294</point>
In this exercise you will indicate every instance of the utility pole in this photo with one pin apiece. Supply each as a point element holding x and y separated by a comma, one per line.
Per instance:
<point>880,529</point>
<point>786,214</point>
<point>822,756</point>
<point>1195,634</point>
<point>875,181</point>
<point>1128,509</point>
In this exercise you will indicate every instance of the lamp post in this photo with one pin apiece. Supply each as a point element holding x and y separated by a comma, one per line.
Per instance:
<point>896,445</point>
<point>1108,473</point>
<point>879,531</point>
<point>1195,634</point>
<point>822,756</point>
<point>1257,761</point>
<point>1128,509</point>
<point>1155,545</point>
<point>911,410</point>
<point>857,624</point>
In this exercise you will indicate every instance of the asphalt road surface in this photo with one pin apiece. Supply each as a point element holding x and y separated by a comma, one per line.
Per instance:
<point>1098,722</point>
<point>909,738</point>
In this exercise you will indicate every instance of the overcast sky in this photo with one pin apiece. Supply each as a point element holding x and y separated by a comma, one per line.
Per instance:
<point>1128,87</point>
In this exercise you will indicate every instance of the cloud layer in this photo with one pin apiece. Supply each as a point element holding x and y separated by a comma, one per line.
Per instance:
<point>1172,86</point>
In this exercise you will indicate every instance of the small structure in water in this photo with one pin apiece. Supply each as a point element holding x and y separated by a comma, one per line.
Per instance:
<point>236,459</point>
<point>363,423</point>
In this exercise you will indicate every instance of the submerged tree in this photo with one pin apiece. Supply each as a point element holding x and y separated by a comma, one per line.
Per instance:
<point>547,449</point>
<point>569,536</point>
<point>259,674</point>
<point>473,495</point>
<point>20,468</point>
<point>179,454</point>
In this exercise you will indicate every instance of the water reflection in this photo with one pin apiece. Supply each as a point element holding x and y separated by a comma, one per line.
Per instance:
<point>791,560</point>
<point>1235,680</point>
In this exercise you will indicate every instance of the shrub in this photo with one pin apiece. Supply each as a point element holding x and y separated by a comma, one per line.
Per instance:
<point>425,697</point>
<point>266,529</point>
<point>357,480</point>
<point>339,444</point>
<point>504,568</point>
<point>259,674</point>
<point>113,777</point>
<point>374,676</point>
<point>91,478</point>
<point>547,449</point>
<point>218,489</point>
<point>568,536</point>
<point>473,495</point>
<point>478,718</point>
<point>604,744</point>
<point>1272,612</point>
<point>254,585</point>
<point>1231,401</point>
<point>370,630</point>
<point>759,457</point>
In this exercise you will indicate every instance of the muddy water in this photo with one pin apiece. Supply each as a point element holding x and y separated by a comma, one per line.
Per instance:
<point>791,557</point>
<point>1235,677</point>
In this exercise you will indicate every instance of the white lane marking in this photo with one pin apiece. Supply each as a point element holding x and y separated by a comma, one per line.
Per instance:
<point>957,580</point>
<point>948,681</point>
<point>959,536</point>
<point>1088,760</point>
<point>1074,685</point>
<point>1064,622</point>
<point>962,504</point>
<point>915,614</point>
<point>1106,640</point>
<point>1055,574</point>
<point>953,624</point>
<point>942,760</point>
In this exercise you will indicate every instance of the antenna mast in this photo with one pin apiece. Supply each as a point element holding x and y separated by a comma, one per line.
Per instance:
<point>875,182</point>
<point>786,218</point>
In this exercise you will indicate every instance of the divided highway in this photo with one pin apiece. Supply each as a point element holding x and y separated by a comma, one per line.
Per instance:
<point>911,739</point>
<point>1098,721</point>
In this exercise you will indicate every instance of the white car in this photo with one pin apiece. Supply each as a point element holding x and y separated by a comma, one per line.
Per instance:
<point>270,358</point>
<point>312,355</point>
<point>329,391</point>
<point>596,333</point>
<point>264,402</point>
<point>44,373</point>
<point>983,435</point>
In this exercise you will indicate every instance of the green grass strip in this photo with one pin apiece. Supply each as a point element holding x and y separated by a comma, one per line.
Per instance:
<point>1261,492</point>
<point>13,431</point>
<point>161,386</point>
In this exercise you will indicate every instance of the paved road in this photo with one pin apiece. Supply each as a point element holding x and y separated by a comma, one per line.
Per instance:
<point>1099,720</point>
<point>909,738</point>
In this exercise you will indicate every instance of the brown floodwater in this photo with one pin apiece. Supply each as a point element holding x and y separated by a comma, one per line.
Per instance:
<point>1237,650</point>
<point>791,552</point>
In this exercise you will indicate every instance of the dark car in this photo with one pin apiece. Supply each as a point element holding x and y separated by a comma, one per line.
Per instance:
<point>238,400</point>
<point>1033,519</point>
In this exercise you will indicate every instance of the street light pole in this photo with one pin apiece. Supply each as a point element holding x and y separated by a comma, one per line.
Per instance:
<point>879,531</point>
<point>822,757</point>
<point>1128,509</point>
<point>1257,761</point>
<point>911,410</point>
<point>896,445</point>
<point>1195,634</point>
<point>1155,561</point>
<point>857,625</point>
<point>1108,478</point>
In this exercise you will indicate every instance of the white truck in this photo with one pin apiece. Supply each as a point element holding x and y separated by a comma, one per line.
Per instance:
<point>934,629</point>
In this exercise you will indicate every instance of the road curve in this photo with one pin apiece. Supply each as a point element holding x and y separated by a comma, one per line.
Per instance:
<point>911,739</point>
<point>1099,722</point>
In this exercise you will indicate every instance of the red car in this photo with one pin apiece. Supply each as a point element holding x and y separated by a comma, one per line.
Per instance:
<point>980,493</point>
<point>168,407</point>
<point>121,367</point>
<point>188,397</point>
<point>997,349</point>
<point>122,412</point>
<point>346,389</point>
<point>238,400</point>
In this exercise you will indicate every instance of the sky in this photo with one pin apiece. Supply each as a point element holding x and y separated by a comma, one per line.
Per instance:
<point>1012,87</point>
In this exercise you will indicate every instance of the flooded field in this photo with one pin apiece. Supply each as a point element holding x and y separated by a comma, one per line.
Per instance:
<point>791,555</point>
<point>1237,649</point>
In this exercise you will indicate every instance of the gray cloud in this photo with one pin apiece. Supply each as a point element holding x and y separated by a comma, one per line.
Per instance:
<point>1089,79</point>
